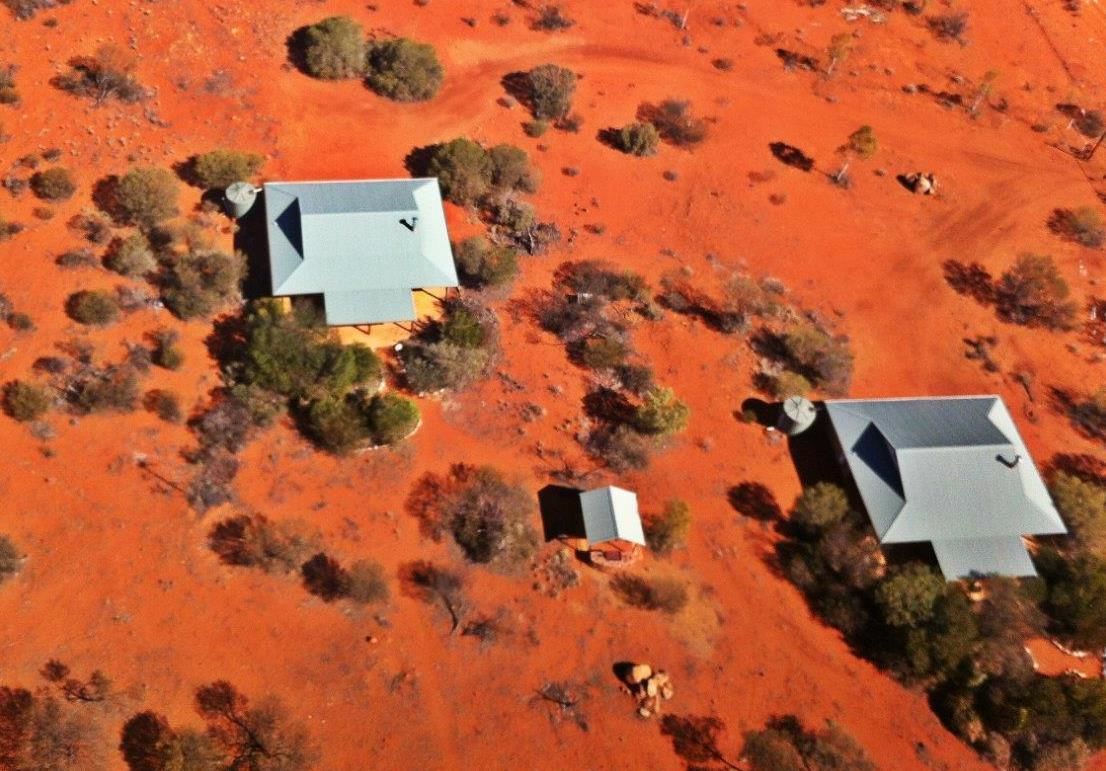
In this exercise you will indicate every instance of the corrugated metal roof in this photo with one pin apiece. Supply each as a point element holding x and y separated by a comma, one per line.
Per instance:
<point>950,469</point>
<point>983,556</point>
<point>368,306</point>
<point>357,237</point>
<point>610,513</point>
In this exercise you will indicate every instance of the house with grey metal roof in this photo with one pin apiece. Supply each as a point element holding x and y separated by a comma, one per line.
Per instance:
<point>951,471</point>
<point>364,245</point>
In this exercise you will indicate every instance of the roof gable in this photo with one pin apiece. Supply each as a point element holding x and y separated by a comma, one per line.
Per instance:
<point>611,513</point>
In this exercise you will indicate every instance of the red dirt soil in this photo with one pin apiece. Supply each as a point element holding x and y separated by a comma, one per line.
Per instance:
<point>119,576</point>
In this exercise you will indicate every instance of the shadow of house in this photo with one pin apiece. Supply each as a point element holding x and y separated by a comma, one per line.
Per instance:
<point>561,513</point>
<point>251,240</point>
<point>815,453</point>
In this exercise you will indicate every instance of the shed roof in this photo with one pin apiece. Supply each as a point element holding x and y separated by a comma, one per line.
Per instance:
<point>611,513</point>
<point>952,470</point>
<point>367,240</point>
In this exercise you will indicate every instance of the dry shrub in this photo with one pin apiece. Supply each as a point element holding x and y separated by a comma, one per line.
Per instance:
<point>658,593</point>
<point>26,401</point>
<point>107,74</point>
<point>1083,226</point>
<point>674,122</point>
<point>255,541</point>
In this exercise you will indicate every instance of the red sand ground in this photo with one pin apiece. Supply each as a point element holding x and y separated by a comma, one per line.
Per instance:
<point>119,576</point>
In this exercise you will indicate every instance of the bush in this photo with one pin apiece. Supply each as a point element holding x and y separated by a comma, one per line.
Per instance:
<point>131,256</point>
<point>110,389</point>
<point>674,122</point>
<point>949,26</point>
<point>784,745</point>
<point>638,138</point>
<point>221,168</point>
<point>20,322</point>
<point>1034,294</point>
<point>661,413</point>
<point>596,277</point>
<point>93,307</point>
<point>823,359</point>
<point>455,354</point>
<point>665,594</point>
<point>334,48</point>
<point>549,91</point>
<point>167,353</point>
<point>602,352</point>
<point>325,578</point>
<point>404,70</point>
<point>488,516</point>
<point>908,595</point>
<point>10,559</point>
<point>667,531</point>
<point>468,174</point>
<point>1082,504</point>
<point>535,128</point>
<point>8,92</point>
<point>255,541</point>
<point>145,196</point>
<point>787,384</point>
<point>252,736</point>
<point>107,74</point>
<point>166,405</point>
<point>620,447</point>
<point>483,264</point>
<point>202,282</point>
<point>54,184</point>
<point>391,418</point>
<point>819,507</point>
<point>1076,596</point>
<point>1082,225</point>
<point>552,19</point>
<point>26,401</point>
<point>290,354</point>
<point>367,583</point>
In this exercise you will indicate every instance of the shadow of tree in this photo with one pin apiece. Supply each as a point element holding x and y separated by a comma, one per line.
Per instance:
<point>754,500</point>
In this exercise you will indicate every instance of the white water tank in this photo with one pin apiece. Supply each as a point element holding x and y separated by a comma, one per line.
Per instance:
<point>797,414</point>
<point>240,198</point>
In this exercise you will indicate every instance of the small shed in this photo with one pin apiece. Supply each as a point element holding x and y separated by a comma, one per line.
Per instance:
<point>611,524</point>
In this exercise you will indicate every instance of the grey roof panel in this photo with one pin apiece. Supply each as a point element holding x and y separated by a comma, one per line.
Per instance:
<point>983,556</point>
<point>960,470</point>
<point>357,236</point>
<point>610,513</point>
<point>368,306</point>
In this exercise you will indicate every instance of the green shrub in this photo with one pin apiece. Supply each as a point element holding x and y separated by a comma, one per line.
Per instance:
<point>639,138</point>
<point>10,559</point>
<point>468,173</point>
<point>483,264</point>
<point>166,352</point>
<point>823,359</point>
<point>908,595</point>
<point>819,507</point>
<point>221,168</point>
<point>145,196</point>
<point>549,91</point>
<point>463,327</point>
<point>334,48</point>
<point>1082,504</point>
<point>404,70</point>
<point>602,352</point>
<point>93,307</point>
<point>1076,596</point>
<point>785,745</point>
<point>511,170</point>
<point>54,184</point>
<point>1033,293</point>
<point>430,367</point>
<point>661,413</point>
<point>131,256</point>
<point>390,418</point>
<point>659,593</point>
<point>200,283</point>
<point>26,401</point>
<point>667,531</point>
<point>535,128</point>
<point>336,424</point>
<point>788,384</point>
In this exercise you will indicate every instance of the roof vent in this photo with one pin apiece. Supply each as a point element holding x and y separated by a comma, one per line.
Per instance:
<point>1008,463</point>
<point>409,225</point>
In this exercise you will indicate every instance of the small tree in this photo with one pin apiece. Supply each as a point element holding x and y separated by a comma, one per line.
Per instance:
<point>334,48</point>
<point>550,90</point>
<point>908,595</point>
<point>511,170</point>
<point>54,184</point>
<point>10,559</point>
<point>667,531</point>
<point>200,283</point>
<point>404,70</point>
<point>146,195</point>
<point>1033,293</point>
<point>221,168</point>
<point>483,264</point>
<point>255,541</point>
<point>661,413</point>
<point>391,418</point>
<point>107,74</point>
<point>819,507</point>
<point>1083,226</point>
<point>840,46</point>
<point>93,307</point>
<point>463,169</point>
<point>639,138</point>
<point>861,144</point>
<point>131,256</point>
<point>26,401</point>
<point>1082,504</point>
<point>259,736</point>
<point>675,123</point>
<point>324,577</point>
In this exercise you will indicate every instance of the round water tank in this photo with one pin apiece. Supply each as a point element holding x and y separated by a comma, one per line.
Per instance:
<point>240,198</point>
<point>797,414</point>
